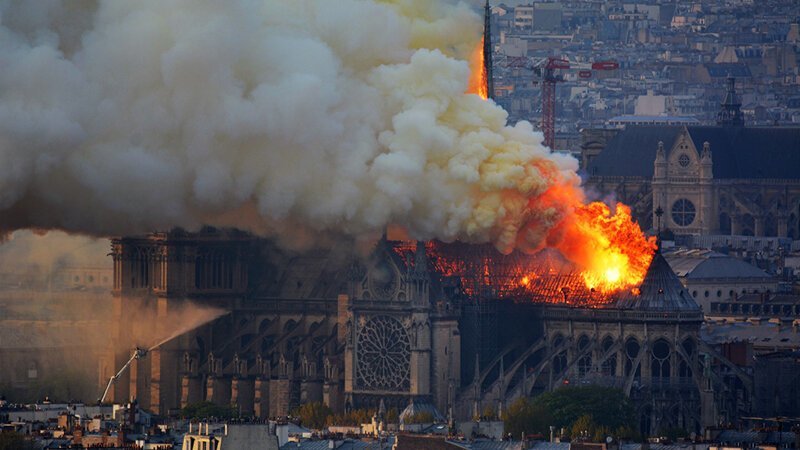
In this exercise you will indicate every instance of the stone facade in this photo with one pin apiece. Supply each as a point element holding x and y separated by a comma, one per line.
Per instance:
<point>298,329</point>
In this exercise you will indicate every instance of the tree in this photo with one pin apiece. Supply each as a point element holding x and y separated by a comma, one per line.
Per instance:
<point>627,433</point>
<point>608,407</point>
<point>205,410</point>
<point>523,416</point>
<point>352,418</point>
<point>583,428</point>
<point>673,433</point>
<point>489,413</point>
<point>420,417</point>
<point>392,416</point>
<point>313,415</point>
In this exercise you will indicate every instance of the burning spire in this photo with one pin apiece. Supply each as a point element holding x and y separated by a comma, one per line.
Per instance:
<point>487,50</point>
<point>480,80</point>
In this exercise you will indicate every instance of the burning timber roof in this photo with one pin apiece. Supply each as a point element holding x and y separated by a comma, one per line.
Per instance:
<point>660,291</point>
<point>553,280</point>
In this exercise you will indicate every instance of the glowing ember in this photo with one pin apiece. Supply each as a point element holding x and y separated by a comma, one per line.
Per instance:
<point>607,253</point>
<point>477,78</point>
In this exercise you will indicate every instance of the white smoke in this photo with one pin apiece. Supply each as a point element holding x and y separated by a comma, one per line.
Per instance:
<point>292,117</point>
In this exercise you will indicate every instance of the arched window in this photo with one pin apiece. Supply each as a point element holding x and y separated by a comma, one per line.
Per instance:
<point>585,363</point>
<point>631,353</point>
<point>609,366</point>
<point>659,364</point>
<point>685,369</point>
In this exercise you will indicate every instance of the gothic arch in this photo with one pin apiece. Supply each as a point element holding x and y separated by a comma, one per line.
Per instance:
<point>584,362</point>
<point>632,351</point>
<point>660,356</point>
<point>748,225</point>
<point>607,360</point>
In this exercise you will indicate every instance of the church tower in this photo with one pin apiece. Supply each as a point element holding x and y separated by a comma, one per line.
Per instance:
<point>730,113</point>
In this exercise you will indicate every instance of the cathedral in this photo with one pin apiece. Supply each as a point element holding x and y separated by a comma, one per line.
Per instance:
<point>728,179</point>
<point>447,327</point>
<point>450,328</point>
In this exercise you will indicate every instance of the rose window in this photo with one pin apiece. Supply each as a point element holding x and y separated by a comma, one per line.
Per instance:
<point>683,212</point>
<point>383,354</point>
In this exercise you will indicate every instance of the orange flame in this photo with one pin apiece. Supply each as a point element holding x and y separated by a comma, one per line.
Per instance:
<point>611,249</point>
<point>477,78</point>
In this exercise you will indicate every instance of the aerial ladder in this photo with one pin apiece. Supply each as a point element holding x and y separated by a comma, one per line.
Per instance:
<point>138,353</point>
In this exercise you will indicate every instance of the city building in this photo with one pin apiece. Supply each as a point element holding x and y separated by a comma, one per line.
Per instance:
<point>727,179</point>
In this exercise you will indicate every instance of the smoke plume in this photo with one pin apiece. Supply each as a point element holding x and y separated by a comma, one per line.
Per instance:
<point>279,117</point>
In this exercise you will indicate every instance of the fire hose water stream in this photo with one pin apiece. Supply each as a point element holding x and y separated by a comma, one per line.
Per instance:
<point>140,352</point>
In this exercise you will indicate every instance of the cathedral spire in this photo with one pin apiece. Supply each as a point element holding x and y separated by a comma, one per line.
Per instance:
<point>730,113</point>
<point>487,49</point>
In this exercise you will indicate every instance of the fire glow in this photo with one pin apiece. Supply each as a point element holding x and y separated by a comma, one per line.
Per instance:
<point>478,75</point>
<point>601,253</point>
<point>610,250</point>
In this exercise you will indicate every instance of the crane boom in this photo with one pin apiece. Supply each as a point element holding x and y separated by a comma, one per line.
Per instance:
<point>137,354</point>
<point>546,68</point>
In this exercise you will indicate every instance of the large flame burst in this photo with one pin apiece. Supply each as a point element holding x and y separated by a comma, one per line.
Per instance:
<point>610,248</point>
<point>477,78</point>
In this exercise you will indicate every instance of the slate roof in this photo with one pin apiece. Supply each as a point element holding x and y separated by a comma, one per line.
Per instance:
<point>546,445</point>
<point>769,335</point>
<point>660,291</point>
<point>740,437</point>
<point>658,446</point>
<point>347,444</point>
<point>724,70</point>
<point>417,407</point>
<point>701,264</point>
<point>632,151</point>
<point>737,152</point>
<point>486,444</point>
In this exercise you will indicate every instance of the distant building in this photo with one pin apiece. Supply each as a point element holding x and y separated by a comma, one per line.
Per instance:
<point>724,179</point>
<point>713,277</point>
<point>206,436</point>
<point>624,121</point>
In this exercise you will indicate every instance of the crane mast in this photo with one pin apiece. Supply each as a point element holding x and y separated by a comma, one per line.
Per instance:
<point>549,70</point>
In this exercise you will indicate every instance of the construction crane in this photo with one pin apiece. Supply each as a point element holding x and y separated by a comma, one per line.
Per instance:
<point>138,353</point>
<point>549,70</point>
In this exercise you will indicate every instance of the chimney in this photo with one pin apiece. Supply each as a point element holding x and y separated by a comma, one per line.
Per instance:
<point>77,436</point>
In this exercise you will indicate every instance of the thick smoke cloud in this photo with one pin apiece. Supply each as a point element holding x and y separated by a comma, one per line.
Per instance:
<point>295,118</point>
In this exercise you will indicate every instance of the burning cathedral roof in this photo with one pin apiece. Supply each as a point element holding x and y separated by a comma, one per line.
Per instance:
<point>547,277</point>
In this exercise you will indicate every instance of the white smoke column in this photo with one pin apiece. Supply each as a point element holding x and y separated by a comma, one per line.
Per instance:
<point>288,117</point>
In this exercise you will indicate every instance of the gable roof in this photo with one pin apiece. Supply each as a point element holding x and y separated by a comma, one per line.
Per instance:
<point>737,152</point>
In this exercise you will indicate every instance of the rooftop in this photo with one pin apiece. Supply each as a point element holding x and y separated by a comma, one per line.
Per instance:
<point>699,264</point>
<point>737,152</point>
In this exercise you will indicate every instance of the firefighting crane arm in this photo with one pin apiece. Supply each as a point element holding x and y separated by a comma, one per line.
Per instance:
<point>137,354</point>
